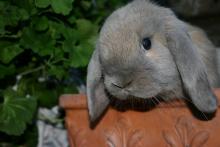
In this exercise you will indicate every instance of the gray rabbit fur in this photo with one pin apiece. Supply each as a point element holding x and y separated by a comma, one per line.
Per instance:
<point>181,62</point>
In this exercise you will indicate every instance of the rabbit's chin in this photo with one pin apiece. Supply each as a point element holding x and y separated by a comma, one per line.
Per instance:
<point>126,96</point>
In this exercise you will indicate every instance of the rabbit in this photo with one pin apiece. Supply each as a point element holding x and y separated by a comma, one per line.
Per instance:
<point>144,51</point>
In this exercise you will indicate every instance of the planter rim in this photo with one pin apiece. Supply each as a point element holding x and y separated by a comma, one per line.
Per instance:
<point>79,101</point>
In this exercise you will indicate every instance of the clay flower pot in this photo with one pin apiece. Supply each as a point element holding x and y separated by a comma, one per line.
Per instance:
<point>168,124</point>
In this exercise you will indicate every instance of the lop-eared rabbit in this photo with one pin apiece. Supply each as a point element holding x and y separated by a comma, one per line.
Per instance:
<point>144,51</point>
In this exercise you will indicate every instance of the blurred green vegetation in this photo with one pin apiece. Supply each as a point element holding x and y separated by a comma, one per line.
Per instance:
<point>41,41</point>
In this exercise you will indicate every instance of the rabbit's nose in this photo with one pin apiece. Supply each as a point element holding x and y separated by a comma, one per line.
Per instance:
<point>122,85</point>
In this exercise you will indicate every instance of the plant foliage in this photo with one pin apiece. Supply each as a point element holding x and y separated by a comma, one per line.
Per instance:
<point>41,41</point>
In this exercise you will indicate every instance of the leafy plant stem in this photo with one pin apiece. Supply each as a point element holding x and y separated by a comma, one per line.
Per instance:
<point>32,70</point>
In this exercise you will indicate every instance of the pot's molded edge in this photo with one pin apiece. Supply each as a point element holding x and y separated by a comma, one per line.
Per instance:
<point>78,101</point>
<point>169,124</point>
<point>73,101</point>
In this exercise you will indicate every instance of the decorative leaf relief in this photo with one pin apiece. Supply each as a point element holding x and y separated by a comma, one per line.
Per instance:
<point>122,135</point>
<point>185,134</point>
<point>169,138</point>
<point>135,138</point>
<point>200,139</point>
<point>78,137</point>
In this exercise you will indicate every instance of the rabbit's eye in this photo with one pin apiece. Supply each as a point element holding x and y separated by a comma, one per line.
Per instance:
<point>146,43</point>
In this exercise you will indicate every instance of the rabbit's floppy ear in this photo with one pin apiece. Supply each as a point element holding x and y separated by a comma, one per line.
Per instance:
<point>190,66</point>
<point>96,95</point>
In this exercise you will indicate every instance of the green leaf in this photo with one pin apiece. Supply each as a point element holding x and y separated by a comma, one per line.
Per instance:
<point>72,19</point>
<point>9,51</point>
<point>70,34</point>
<point>28,5</point>
<point>62,6</point>
<point>40,43</point>
<point>15,113</point>
<point>2,25</point>
<point>70,40</point>
<point>23,86</point>
<point>56,29</point>
<point>46,97</point>
<point>23,14</point>
<point>70,89</point>
<point>86,4</point>
<point>80,55</point>
<point>85,29</point>
<point>31,136</point>
<point>58,71</point>
<point>58,54</point>
<point>40,23</point>
<point>42,3</point>
<point>6,70</point>
<point>13,14</point>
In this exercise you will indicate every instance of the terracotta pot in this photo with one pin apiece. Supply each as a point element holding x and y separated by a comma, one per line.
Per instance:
<point>168,124</point>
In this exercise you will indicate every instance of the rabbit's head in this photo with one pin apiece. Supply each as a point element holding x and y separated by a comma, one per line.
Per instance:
<point>144,51</point>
